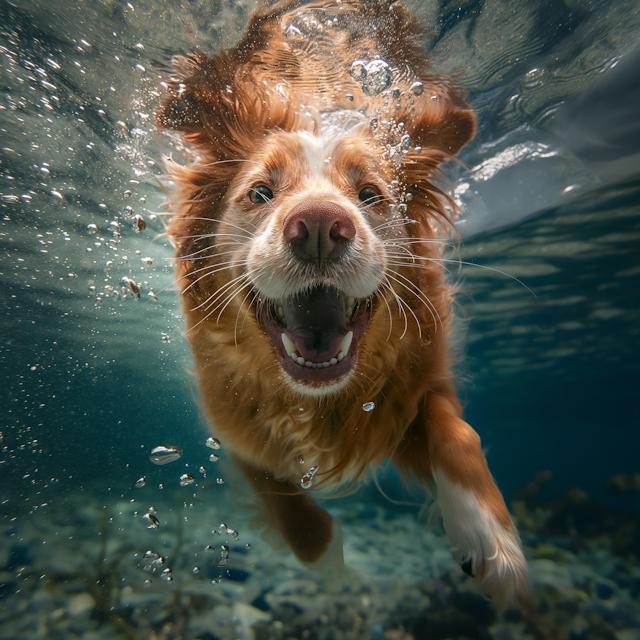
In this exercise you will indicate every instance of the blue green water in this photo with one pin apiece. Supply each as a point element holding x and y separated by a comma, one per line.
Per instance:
<point>91,383</point>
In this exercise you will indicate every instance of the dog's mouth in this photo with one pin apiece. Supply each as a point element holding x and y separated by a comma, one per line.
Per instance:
<point>317,334</point>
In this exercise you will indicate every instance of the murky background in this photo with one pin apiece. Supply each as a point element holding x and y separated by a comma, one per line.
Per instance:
<point>95,378</point>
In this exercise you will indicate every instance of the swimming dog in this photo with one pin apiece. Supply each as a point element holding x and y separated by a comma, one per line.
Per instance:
<point>309,233</point>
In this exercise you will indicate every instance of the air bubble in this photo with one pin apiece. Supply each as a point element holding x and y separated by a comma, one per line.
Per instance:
<point>148,261</point>
<point>358,70</point>
<point>349,97</point>
<point>151,555</point>
<point>405,142</point>
<point>166,575</point>
<point>219,480</point>
<point>114,226</point>
<point>91,229</point>
<point>434,98</point>
<point>209,549</point>
<point>369,406</point>
<point>140,482</point>
<point>307,479</point>
<point>146,583</point>
<point>195,570</point>
<point>293,33</point>
<point>416,88</point>
<point>378,77</point>
<point>149,521</point>
<point>214,457</point>
<point>247,546</point>
<point>213,443</point>
<point>395,93</point>
<point>224,555</point>
<point>186,479</point>
<point>127,193</point>
<point>373,123</point>
<point>202,470</point>
<point>164,455</point>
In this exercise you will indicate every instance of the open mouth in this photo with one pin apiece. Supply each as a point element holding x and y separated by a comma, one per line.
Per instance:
<point>316,334</point>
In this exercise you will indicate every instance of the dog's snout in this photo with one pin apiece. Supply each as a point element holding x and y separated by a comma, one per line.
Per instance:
<point>317,230</point>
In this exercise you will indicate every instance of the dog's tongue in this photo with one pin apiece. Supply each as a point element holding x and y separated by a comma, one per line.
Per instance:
<point>316,323</point>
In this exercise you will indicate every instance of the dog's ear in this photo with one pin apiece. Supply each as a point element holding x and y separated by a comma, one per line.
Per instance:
<point>439,120</point>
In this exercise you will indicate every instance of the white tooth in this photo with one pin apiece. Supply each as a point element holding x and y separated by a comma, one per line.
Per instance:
<point>308,364</point>
<point>300,360</point>
<point>289,347</point>
<point>340,356</point>
<point>294,356</point>
<point>333,361</point>
<point>346,343</point>
<point>325,364</point>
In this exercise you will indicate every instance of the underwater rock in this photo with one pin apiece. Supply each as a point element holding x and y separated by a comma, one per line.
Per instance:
<point>624,483</point>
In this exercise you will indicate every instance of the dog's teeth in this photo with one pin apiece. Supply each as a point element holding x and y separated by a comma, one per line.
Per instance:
<point>289,347</point>
<point>307,363</point>
<point>333,361</point>
<point>340,356</point>
<point>345,344</point>
<point>325,364</point>
<point>300,360</point>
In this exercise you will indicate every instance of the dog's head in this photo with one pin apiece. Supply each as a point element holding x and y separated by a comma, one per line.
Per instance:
<point>304,213</point>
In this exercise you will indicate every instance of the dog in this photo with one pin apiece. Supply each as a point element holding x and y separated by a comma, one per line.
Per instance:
<point>309,233</point>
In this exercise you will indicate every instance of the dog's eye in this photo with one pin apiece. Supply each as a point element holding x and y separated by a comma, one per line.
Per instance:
<point>260,194</point>
<point>367,194</point>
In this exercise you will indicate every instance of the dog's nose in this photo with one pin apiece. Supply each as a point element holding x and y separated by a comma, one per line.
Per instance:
<point>317,230</point>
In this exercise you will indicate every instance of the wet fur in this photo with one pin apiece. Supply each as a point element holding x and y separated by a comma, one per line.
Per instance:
<point>246,112</point>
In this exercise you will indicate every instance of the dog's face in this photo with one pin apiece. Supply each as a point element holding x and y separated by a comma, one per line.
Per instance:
<point>312,216</point>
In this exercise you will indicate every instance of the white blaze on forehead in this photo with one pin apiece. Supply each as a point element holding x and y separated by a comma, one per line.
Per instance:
<point>317,150</point>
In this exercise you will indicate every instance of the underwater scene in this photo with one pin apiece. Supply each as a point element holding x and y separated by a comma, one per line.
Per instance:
<point>122,515</point>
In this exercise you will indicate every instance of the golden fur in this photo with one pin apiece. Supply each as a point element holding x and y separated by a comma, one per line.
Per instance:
<point>256,117</point>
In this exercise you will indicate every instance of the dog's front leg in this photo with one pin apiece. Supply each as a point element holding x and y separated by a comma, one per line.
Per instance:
<point>443,449</point>
<point>309,531</point>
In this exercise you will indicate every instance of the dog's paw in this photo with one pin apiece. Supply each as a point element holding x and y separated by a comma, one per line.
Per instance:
<point>483,547</point>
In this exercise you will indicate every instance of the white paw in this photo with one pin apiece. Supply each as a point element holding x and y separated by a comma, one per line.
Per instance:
<point>483,548</point>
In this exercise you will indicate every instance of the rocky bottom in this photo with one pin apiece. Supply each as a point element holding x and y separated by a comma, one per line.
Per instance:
<point>78,570</point>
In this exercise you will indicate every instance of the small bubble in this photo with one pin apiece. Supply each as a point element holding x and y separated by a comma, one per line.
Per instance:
<point>202,470</point>
<point>434,98</point>
<point>301,461</point>
<point>247,546</point>
<point>293,33</point>
<point>151,555</point>
<point>209,549</point>
<point>222,530</point>
<point>369,406</point>
<point>214,457</point>
<point>418,150</point>
<point>114,226</point>
<point>148,261</point>
<point>149,521</point>
<point>358,70</point>
<point>141,225</point>
<point>307,480</point>
<point>164,455</point>
<point>128,211</point>
<point>373,123</point>
<point>224,556</point>
<point>140,482</point>
<point>349,97</point>
<point>416,88</point>
<point>213,443</point>
<point>186,479</point>
<point>219,480</point>
<point>405,142</point>
<point>395,93</point>
<point>146,583</point>
<point>195,570</point>
<point>109,264</point>
<point>92,229</point>
<point>166,575</point>
<point>127,193</point>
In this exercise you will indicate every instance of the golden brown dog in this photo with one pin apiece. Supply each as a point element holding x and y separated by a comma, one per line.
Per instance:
<point>309,238</point>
